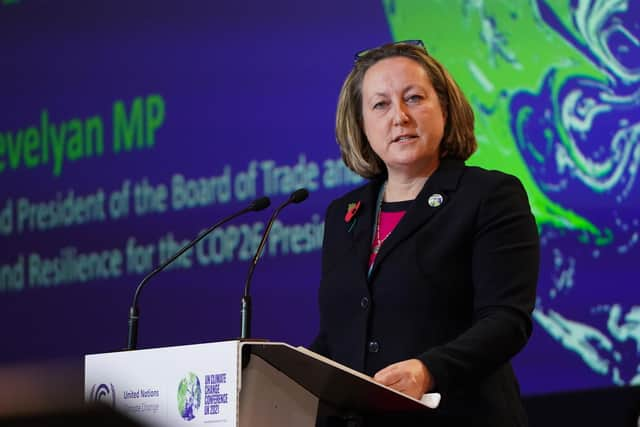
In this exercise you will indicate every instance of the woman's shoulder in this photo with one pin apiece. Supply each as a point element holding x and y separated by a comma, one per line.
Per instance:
<point>360,193</point>
<point>353,194</point>
<point>358,201</point>
<point>479,178</point>
<point>493,188</point>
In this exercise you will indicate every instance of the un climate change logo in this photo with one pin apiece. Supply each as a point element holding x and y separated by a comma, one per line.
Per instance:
<point>189,396</point>
<point>103,394</point>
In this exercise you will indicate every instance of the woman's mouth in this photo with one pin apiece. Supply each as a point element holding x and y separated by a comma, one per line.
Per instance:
<point>404,138</point>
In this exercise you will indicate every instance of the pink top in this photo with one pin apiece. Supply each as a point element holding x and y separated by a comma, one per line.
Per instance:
<point>388,221</point>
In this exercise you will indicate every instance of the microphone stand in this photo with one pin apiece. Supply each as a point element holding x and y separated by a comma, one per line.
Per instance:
<point>297,196</point>
<point>134,312</point>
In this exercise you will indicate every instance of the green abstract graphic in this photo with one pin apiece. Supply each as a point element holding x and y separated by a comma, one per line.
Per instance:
<point>491,67</point>
<point>555,86</point>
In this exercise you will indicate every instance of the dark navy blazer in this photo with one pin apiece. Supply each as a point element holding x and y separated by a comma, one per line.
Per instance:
<point>453,285</point>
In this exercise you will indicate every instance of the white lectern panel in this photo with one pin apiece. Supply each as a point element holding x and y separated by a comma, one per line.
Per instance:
<point>172,386</point>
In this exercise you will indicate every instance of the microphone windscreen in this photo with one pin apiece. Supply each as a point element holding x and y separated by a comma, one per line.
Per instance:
<point>300,195</point>
<point>260,204</point>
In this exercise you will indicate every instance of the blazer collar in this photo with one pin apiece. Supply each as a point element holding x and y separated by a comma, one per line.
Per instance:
<point>442,183</point>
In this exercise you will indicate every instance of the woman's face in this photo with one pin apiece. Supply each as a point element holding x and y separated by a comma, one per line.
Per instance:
<point>403,119</point>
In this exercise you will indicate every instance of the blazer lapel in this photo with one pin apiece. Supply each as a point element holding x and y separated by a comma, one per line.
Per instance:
<point>363,230</point>
<point>441,184</point>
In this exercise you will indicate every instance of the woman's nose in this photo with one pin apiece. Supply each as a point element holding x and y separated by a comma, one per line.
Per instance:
<point>400,114</point>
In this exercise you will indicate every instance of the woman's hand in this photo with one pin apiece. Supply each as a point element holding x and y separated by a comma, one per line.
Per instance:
<point>410,377</point>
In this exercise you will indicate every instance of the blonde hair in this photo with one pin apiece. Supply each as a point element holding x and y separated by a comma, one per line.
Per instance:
<point>458,140</point>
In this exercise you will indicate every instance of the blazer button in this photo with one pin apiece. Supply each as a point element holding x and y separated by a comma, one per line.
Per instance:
<point>364,303</point>
<point>374,347</point>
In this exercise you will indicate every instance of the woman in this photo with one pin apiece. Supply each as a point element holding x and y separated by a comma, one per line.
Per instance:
<point>428,271</point>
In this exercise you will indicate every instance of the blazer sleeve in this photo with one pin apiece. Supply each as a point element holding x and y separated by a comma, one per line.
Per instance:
<point>320,344</point>
<point>504,271</point>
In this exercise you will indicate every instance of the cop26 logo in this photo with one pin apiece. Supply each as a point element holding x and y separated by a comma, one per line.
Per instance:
<point>103,393</point>
<point>189,396</point>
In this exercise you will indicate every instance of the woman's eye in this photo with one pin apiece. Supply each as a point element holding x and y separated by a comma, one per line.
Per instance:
<point>414,98</point>
<point>379,105</point>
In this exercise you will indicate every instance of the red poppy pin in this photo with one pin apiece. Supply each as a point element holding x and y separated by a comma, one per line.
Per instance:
<point>352,209</point>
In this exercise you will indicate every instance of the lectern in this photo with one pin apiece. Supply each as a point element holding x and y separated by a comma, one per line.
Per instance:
<point>235,383</point>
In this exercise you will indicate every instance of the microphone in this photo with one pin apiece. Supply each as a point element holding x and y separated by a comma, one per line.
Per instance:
<point>300,195</point>
<point>134,313</point>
